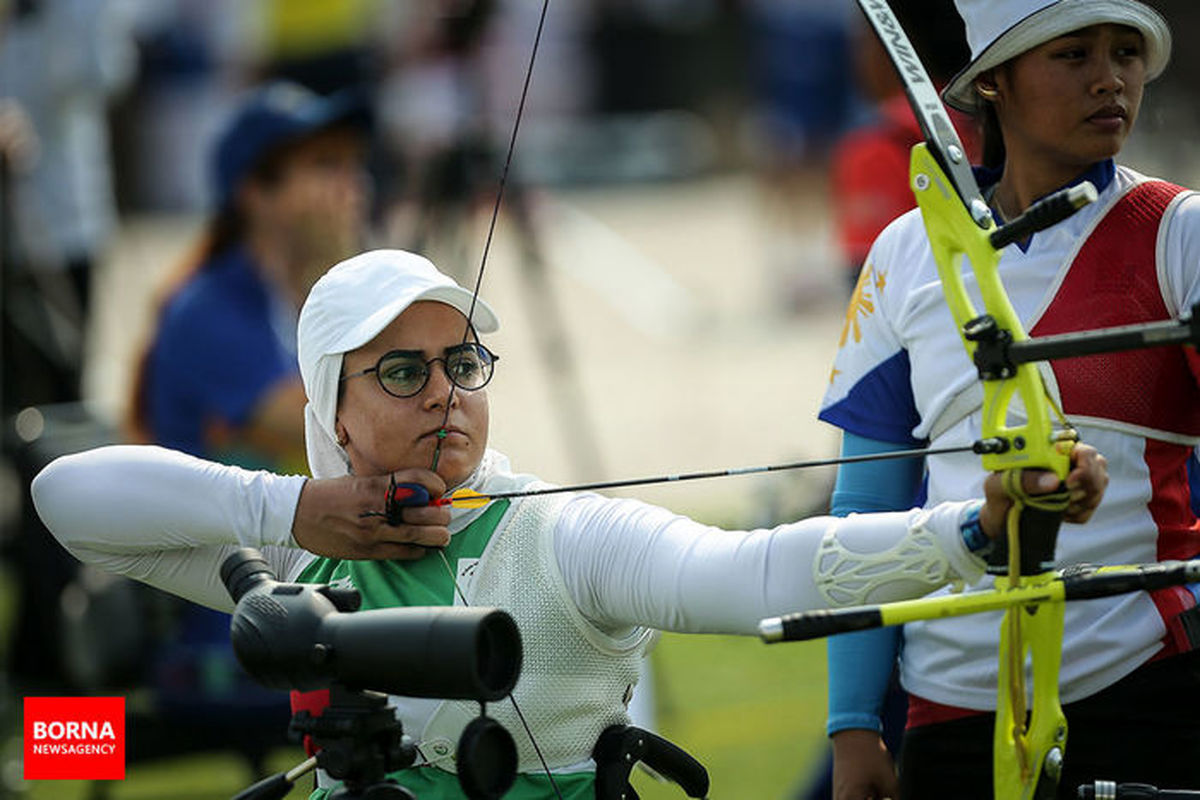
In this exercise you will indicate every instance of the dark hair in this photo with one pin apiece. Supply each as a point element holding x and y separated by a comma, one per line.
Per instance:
<point>937,34</point>
<point>993,139</point>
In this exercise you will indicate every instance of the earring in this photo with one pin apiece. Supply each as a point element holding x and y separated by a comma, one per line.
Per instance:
<point>987,91</point>
<point>343,440</point>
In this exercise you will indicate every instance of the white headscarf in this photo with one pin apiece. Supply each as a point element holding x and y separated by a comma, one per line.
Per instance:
<point>347,308</point>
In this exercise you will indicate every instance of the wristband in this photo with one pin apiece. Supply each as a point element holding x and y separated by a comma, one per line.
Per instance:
<point>978,542</point>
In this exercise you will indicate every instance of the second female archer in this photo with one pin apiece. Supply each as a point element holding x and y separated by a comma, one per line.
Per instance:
<point>1058,86</point>
<point>395,376</point>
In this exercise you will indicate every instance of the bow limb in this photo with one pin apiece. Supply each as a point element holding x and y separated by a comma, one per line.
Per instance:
<point>1024,752</point>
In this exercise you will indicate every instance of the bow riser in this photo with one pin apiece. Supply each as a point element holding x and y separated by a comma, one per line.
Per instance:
<point>1021,748</point>
<point>954,236</point>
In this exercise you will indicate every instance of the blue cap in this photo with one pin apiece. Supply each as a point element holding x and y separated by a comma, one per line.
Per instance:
<point>273,116</point>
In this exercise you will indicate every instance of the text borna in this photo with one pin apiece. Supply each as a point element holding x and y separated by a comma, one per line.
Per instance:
<point>73,729</point>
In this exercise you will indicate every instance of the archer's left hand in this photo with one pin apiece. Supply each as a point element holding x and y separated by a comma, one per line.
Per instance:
<point>1086,483</point>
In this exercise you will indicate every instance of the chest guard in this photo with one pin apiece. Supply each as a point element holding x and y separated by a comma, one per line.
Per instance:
<point>575,680</point>
<point>1115,280</point>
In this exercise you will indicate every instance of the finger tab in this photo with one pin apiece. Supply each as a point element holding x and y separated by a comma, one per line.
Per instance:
<point>409,494</point>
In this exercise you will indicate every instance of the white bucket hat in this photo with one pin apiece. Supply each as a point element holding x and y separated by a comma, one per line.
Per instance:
<point>347,308</point>
<point>998,30</point>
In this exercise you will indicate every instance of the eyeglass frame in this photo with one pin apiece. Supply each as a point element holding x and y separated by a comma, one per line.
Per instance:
<point>491,357</point>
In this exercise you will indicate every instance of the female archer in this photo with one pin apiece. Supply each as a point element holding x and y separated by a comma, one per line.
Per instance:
<point>395,377</point>
<point>1057,85</point>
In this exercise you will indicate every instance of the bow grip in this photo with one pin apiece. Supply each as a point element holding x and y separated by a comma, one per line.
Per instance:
<point>1040,518</point>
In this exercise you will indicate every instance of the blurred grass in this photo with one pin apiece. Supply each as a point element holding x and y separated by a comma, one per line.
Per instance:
<point>752,714</point>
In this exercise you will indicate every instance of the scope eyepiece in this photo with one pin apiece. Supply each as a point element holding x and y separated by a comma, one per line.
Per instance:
<point>243,570</point>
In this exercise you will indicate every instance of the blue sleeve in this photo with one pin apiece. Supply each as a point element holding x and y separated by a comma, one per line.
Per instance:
<point>861,664</point>
<point>875,485</point>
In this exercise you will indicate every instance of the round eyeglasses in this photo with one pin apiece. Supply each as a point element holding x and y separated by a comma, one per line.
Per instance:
<point>404,373</point>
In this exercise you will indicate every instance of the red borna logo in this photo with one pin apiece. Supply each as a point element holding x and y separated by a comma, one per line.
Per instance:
<point>76,738</point>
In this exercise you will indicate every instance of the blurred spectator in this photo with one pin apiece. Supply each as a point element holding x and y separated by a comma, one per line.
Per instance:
<point>61,61</point>
<point>870,164</point>
<point>291,192</point>
<point>219,379</point>
<point>435,133</point>
<point>448,97</point>
<point>803,97</point>
<point>194,55</point>
<point>804,91</point>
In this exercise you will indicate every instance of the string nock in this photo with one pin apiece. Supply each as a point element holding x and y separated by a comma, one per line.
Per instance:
<point>991,445</point>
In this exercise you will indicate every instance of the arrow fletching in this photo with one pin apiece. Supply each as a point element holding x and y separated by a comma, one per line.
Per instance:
<point>465,498</point>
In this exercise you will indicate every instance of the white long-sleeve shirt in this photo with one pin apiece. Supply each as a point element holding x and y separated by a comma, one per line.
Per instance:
<point>170,520</point>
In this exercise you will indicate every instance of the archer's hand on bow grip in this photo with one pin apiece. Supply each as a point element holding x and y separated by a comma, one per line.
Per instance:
<point>1040,518</point>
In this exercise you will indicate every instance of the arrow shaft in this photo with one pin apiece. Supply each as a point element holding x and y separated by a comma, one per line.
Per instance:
<point>723,473</point>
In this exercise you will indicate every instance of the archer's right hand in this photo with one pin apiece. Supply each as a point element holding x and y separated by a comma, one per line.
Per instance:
<point>344,518</point>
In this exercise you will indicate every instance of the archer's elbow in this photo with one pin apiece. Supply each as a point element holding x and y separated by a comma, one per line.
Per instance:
<point>55,492</point>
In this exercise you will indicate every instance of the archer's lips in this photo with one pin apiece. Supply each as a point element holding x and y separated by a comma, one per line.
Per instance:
<point>1113,116</point>
<point>451,432</point>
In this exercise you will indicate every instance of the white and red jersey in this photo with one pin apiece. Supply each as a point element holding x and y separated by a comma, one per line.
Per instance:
<point>902,375</point>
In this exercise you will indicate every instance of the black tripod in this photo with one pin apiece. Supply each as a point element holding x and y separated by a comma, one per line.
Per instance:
<point>359,741</point>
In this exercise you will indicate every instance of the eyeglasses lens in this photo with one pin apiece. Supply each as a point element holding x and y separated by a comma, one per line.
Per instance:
<point>468,366</point>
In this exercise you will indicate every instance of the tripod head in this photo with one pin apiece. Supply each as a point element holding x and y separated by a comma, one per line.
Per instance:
<point>360,741</point>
